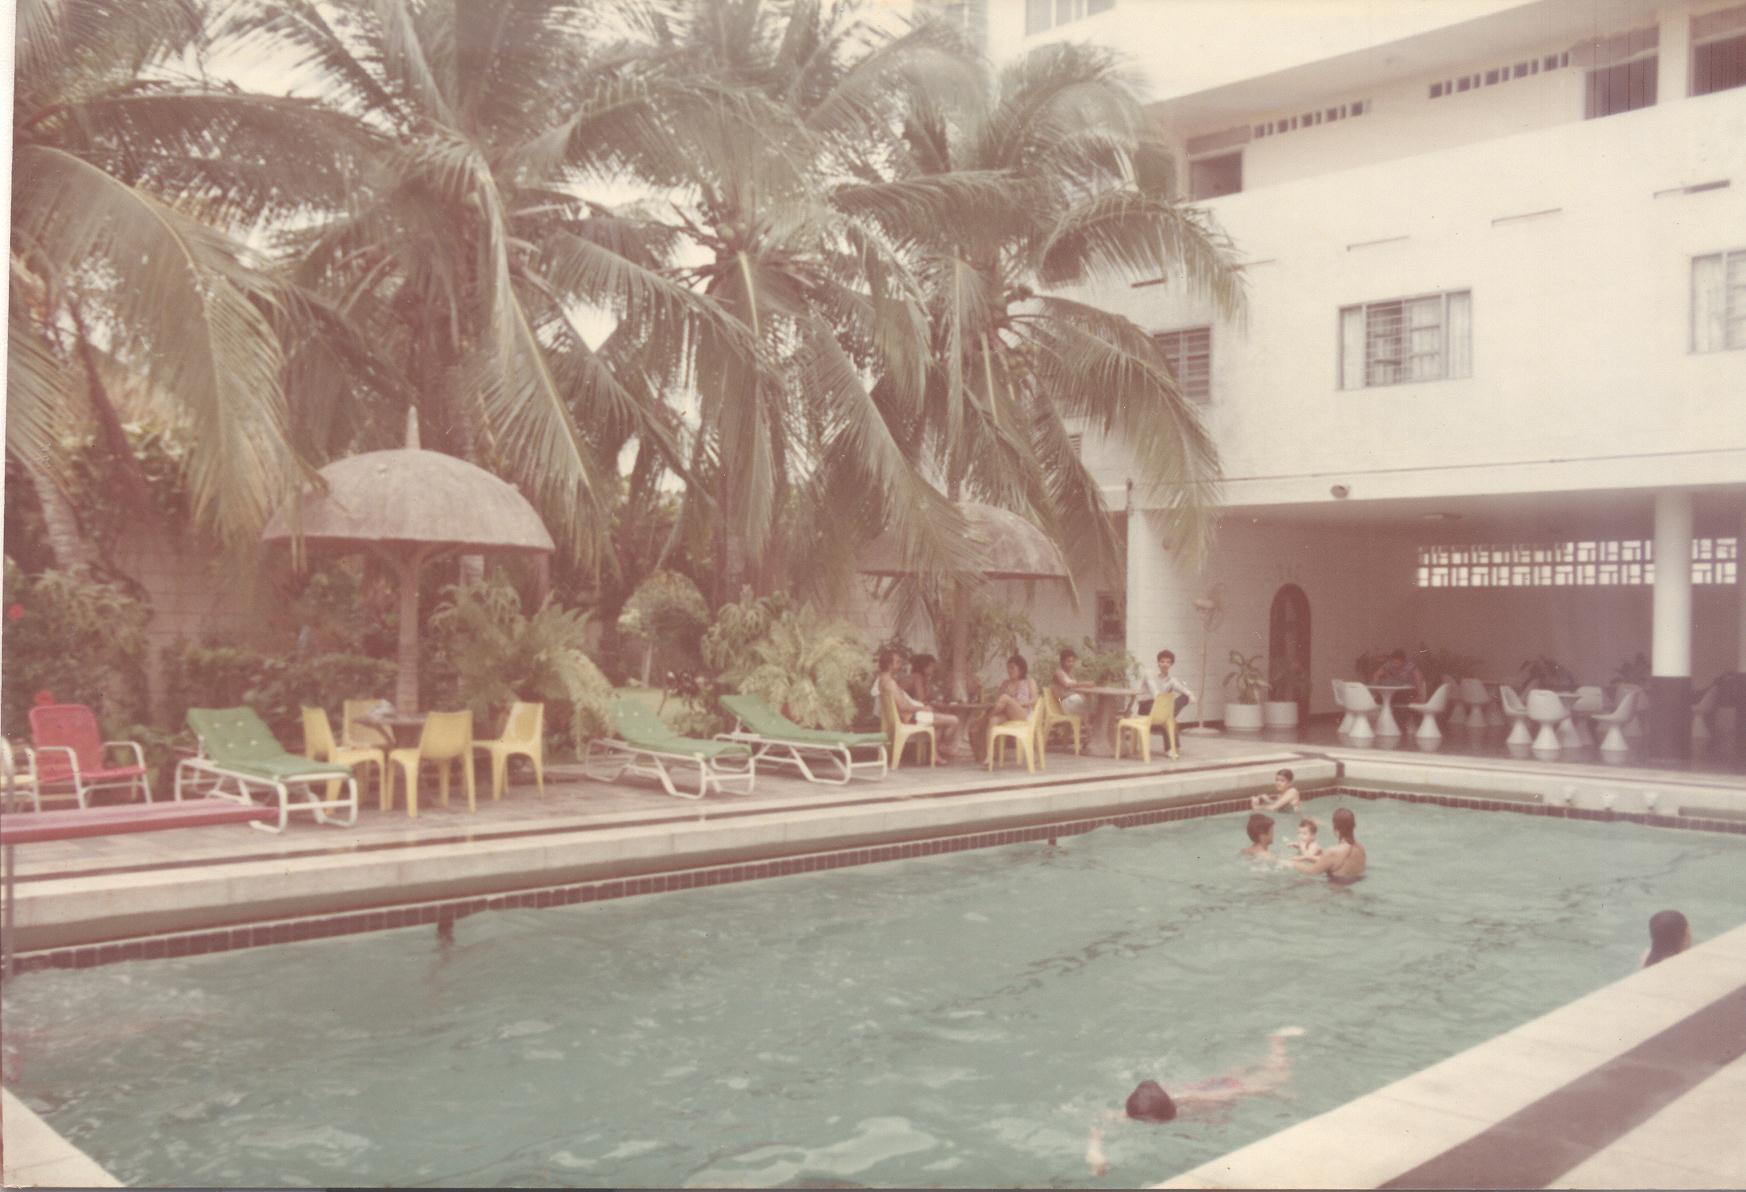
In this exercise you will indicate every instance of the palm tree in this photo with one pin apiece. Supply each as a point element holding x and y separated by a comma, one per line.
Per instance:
<point>465,247</point>
<point>125,171</point>
<point>1069,187</point>
<point>776,186</point>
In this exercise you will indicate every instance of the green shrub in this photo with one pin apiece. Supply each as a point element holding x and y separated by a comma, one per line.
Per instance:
<point>276,687</point>
<point>794,659</point>
<point>499,654</point>
<point>665,619</point>
<point>75,639</point>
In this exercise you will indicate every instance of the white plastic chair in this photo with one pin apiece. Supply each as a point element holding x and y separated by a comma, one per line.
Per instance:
<point>1361,706</point>
<point>1477,699</point>
<point>1430,710</point>
<point>1340,703</point>
<point>1615,721</point>
<point>1548,710</point>
<point>1517,711</point>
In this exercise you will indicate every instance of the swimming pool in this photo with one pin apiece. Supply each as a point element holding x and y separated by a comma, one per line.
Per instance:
<point>946,1021</point>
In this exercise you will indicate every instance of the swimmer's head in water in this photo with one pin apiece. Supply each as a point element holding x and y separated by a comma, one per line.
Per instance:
<point>1259,826</point>
<point>1150,1103</point>
<point>1669,935</point>
<point>1345,823</point>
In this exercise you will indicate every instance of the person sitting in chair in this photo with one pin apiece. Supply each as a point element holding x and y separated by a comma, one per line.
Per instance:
<point>913,711</point>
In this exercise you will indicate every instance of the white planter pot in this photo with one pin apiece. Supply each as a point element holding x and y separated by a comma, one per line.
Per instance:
<point>1243,717</point>
<point>1280,713</point>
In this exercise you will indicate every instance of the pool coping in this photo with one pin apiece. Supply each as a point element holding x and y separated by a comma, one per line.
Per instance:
<point>38,1156</point>
<point>1625,1048</point>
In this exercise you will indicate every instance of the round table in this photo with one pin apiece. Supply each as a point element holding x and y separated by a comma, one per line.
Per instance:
<point>402,728</point>
<point>1572,732</point>
<point>1106,704</point>
<point>1385,722</point>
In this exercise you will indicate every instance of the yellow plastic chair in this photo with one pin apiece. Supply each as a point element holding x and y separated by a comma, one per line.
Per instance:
<point>899,733</point>
<point>446,737</point>
<point>1163,716</point>
<point>1053,716</point>
<point>523,736</point>
<point>22,762</point>
<point>356,732</point>
<point>1026,736</point>
<point>319,745</point>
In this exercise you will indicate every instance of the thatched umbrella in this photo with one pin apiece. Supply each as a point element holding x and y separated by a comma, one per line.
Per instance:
<point>408,507</point>
<point>1006,547</point>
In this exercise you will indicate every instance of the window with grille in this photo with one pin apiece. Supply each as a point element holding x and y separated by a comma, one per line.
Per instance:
<point>1407,340</point>
<point>1718,301</point>
<point>1189,353</point>
<point>1043,15</point>
<point>1625,69</point>
<point>1718,52</point>
<point>1600,563</point>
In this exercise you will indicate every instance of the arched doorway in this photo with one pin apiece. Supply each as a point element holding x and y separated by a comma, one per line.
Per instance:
<point>1288,637</point>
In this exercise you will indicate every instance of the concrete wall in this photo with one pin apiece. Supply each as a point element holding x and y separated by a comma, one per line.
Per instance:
<point>1358,581</point>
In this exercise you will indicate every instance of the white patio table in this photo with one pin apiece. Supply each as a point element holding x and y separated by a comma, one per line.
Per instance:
<point>1107,703</point>
<point>1385,722</point>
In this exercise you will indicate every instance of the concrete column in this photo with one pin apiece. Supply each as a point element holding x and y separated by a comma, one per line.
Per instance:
<point>1670,648</point>
<point>1740,601</point>
<point>1673,57</point>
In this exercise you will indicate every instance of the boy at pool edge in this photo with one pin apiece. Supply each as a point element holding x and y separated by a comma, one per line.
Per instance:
<point>1284,798</point>
<point>1150,1103</point>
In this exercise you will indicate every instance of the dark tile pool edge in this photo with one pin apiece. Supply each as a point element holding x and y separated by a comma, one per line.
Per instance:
<point>444,913</point>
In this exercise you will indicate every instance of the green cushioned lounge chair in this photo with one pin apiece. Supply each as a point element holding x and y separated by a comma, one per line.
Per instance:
<point>779,741</point>
<point>648,748</point>
<point>237,747</point>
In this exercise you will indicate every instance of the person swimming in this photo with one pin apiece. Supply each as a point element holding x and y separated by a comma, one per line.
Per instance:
<point>1344,862</point>
<point>1260,831</point>
<point>1150,1102</point>
<point>1669,935</point>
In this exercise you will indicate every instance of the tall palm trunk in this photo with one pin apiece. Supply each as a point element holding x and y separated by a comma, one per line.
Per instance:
<point>72,551</point>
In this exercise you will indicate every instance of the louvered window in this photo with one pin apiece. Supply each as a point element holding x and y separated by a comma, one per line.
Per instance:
<point>1718,52</point>
<point>1718,301</point>
<point>1190,355</point>
<point>1406,340</point>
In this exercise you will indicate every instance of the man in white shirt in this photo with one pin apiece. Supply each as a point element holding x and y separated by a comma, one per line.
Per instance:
<point>1163,683</point>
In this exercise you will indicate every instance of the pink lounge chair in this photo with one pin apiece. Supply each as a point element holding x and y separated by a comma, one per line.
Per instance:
<point>70,754</point>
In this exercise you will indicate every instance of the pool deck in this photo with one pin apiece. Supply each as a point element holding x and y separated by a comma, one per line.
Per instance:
<point>93,892</point>
<point>1641,1084</point>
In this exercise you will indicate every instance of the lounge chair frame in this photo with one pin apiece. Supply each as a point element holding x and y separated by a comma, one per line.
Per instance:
<point>200,775</point>
<point>624,757</point>
<point>777,751</point>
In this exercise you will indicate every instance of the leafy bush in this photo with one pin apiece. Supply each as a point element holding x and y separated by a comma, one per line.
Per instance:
<point>81,641</point>
<point>1113,667</point>
<point>499,654</point>
<point>994,631</point>
<point>276,687</point>
<point>666,616</point>
<point>794,659</point>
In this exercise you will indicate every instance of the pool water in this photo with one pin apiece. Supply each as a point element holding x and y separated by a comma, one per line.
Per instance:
<point>948,1021</point>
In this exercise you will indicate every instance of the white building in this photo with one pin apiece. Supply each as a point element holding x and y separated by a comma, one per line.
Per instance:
<point>1493,380</point>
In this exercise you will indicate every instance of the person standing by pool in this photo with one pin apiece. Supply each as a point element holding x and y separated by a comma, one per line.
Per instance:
<point>1149,1102</point>
<point>911,711</point>
<point>1669,935</point>
<point>1260,829</point>
<point>1018,695</point>
<point>1344,862</point>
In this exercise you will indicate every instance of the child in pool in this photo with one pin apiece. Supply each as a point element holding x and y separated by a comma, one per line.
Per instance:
<point>1150,1103</point>
<point>1284,796</point>
<point>1305,844</point>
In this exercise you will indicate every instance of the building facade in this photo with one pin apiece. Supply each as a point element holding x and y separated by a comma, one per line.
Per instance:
<point>1490,394</point>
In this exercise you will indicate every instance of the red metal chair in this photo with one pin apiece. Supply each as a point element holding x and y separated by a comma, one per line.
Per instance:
<point>70,754</point>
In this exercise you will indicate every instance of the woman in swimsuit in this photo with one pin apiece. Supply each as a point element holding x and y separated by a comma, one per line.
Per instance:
<point>1343,863</point>
<point>1018,695</point>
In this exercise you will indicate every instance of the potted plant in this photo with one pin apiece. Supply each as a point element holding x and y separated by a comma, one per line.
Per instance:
<point>1285,691</point>
<point>1548,673</point>
<point>1245,676</point>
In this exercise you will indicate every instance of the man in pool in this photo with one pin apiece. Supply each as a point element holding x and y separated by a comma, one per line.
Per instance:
<point>1344,861</point>
<point>1150,1103</point>
<point>1260,829</point>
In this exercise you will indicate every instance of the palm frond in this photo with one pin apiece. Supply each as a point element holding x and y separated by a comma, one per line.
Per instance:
<point>1135,236</point>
